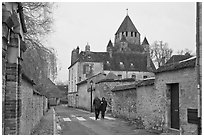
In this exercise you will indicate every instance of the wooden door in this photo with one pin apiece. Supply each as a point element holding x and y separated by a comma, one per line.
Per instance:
<point>175,106</point>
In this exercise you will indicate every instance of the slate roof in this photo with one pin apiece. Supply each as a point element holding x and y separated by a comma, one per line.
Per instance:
<point>50,89</point>
<point>116,80</point>
<point>188,63</point>
<point>127,25</point>
<point>25,77</point>
<point>62,87</point>
<point>177,58</point>
<point>139,60</point>
<point>140,83</point>
<point>110,44</point>
<point>145,42</point>
<point>133,47</point>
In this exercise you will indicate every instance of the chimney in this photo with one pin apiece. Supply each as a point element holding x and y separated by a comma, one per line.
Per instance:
<point>162,61</point>
<point>77,50</point>
<point>74,56</point>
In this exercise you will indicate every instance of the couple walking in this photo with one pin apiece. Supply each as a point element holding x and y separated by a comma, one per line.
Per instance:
<point>99,106</point>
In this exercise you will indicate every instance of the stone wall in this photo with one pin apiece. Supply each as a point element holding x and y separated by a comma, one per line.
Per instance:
<point>140,104</point>
<point>13,28</point>
<point>84,97</point>
<point>32,108</point>
<point>104,90</point>
<point>151,104</point>
<point>186,78</point>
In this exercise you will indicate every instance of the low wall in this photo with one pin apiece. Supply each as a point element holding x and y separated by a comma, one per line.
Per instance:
<point>139,104</point>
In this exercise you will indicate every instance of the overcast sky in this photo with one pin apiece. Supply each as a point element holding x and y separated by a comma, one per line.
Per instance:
<point>75,24</point>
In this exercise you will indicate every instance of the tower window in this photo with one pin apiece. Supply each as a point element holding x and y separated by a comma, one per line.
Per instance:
<point>131,34</point>
<point>126,33</point>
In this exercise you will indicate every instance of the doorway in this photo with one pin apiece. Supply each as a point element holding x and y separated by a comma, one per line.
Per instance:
<point>174,94</point>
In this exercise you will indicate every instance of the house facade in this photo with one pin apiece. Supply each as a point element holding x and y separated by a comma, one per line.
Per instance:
<point>127,57</point>
<point>168,103</point>
<point>177,83</point>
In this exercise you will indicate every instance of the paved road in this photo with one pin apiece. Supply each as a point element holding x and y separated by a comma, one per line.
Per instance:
<point>78,122</point>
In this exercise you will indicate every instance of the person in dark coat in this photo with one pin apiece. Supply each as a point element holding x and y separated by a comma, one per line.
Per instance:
<point>96,104</point>
<point>103,107</point>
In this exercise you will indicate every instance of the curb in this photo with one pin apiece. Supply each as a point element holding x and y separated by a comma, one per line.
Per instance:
<point>54,122</point>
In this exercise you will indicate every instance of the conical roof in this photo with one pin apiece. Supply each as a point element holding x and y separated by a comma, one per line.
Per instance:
<point>127,25</point>
<point>110,44</point>
<point>145,42</point>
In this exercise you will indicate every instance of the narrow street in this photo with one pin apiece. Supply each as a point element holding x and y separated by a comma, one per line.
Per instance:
<point>73,121</point>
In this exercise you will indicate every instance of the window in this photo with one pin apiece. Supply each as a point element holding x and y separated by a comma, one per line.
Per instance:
<point>131,34</point>
<point>135,34</point>
<point>134,76</point>
<point>122,65</point>
<point>132,66</point>
<point>89,57</point>
<point>119,76</point>
<point>126,33</point>
<point>144,77</point>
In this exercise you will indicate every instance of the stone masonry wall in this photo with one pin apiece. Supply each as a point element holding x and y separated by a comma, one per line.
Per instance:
<point>84,97</point>
<point>140,105</point>
<point>104,90</point>
<point>31,108</point>
<point>186,78</point>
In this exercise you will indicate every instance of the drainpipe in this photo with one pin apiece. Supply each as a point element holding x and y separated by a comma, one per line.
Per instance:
<point>198,61</point>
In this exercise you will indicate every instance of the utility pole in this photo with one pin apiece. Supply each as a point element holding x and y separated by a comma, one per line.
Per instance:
<point>198,62</point>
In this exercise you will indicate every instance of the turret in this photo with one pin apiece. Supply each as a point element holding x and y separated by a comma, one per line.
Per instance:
<point>109,48</point>
<point>128,29</point>
<point>146,47</point>
<point>87,48</point>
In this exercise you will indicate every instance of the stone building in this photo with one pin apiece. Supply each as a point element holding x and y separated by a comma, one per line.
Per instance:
<point>22,105</point>
<point>127,57</point>
<point>137,102</point>
<point>169,103</point>
<point>177,84</point>
<point>102,86</point>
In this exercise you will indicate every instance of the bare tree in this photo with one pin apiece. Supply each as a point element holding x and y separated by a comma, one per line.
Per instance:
<point>39,62</point>
<point>38,18</point>
<point>160,53</point>
<point>185,51</point>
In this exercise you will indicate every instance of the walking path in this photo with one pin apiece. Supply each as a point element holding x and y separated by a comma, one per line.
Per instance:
<point>50,120</point>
